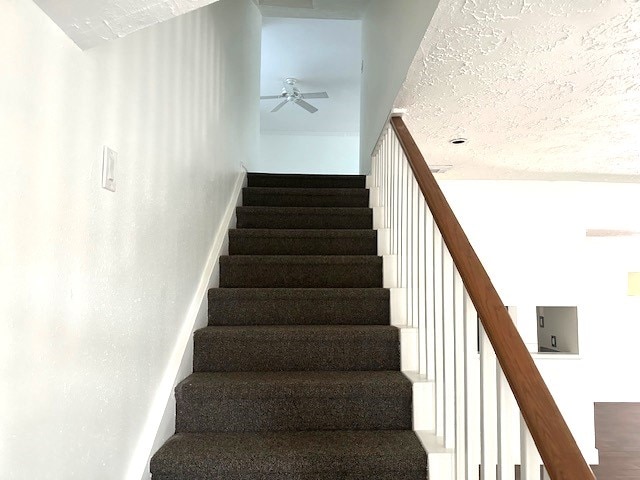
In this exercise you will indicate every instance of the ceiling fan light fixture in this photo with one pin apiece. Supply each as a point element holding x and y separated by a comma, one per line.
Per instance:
<point>292,94</point>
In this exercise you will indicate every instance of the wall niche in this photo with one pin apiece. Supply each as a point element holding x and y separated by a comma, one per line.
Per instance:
<point>557,329</point>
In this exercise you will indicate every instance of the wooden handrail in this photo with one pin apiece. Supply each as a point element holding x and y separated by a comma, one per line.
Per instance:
<point>558,449</point>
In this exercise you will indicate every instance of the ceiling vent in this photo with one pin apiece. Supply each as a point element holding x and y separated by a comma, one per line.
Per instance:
<point>440,168</point>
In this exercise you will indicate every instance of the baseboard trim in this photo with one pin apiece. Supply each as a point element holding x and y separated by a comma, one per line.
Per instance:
<point>144,446</point>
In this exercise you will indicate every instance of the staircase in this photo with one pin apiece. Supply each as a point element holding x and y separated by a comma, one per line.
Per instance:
<point>297,376</point>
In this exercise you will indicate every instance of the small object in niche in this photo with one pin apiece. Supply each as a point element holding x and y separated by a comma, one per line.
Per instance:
<point>554,344</point>
<point>541,321</point>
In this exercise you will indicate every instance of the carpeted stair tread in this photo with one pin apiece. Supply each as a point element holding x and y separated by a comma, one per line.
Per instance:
<point>304,217</point>
<point>298,306</point>
<point>276,401</point>
<point>305,181</point>
<point>305,197</point>
<point>338,384</point>
<point>245,241</point>
<point>324,455</point>
<point>309,271</point>
<point>297,375</point>
<point>296,347</point>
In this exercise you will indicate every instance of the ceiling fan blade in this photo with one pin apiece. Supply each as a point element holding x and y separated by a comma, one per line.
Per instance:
<point>307,106</point>
<point>279,106</point>
<point>315,95</point>
<point>270,97</point>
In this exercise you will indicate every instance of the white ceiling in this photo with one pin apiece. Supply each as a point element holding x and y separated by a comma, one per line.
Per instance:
<point>324,55</point>
<point>333,9</point>
<point>91,22</point>
<point>542,89</point>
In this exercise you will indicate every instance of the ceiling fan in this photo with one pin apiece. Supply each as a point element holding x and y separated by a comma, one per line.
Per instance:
<point>292,94</point>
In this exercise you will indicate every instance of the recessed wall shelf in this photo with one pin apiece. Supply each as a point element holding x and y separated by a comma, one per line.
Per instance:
<point>557,329</point>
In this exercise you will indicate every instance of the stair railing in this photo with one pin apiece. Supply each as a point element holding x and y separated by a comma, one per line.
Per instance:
<point>469,347</point>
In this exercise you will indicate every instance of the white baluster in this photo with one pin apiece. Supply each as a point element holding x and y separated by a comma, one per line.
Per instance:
<point>429,287</point>
<point>375,169</point>
<point>415,264</point>
<point>394,198</point>
<point>372,173</point>
<point>529,456</point>
<point>439,334</point>
<point>385,168</point>
<point>389,181</point>
<point>448,348</point>
<point>472,400</point>
<point>382,164</point>
<point>380,176</point>
<point>408,233</point>
<point>507,416</point>
<point>403,231</point>
<point>400,221</point>
<point>400,224</point>
<point>379,161</point>
<point>421,287</point>
<point>489,402</point>
<point>460,378</point>
<point>389,193</point>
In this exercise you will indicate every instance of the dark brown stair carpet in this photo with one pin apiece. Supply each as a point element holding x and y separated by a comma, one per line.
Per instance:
<point>305,181</point>
<point>316,271</point>
<point>298,306</point>
<point>246,241</point>
<point>324,455</point>
<point>297,376</point>
<point>294,401</point>
<point>304,217</point>
<point>292,347</point>
<point>305,197</point>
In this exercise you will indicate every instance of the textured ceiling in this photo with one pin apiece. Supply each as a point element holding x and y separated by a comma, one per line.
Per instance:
<point>91,22</point>
<point>545,89</point>
<point>324,55</point>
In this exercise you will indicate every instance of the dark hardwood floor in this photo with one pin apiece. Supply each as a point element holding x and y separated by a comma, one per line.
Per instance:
<point>618,441</point>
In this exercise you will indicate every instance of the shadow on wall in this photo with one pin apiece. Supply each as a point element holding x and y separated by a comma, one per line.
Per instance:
<point>96,283</point>
<point>391,35</point>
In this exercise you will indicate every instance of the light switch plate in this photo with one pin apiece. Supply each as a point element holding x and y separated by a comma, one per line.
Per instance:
<point>109,158</point>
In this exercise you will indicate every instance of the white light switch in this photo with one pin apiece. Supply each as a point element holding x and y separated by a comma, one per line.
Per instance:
<point>109,158</point>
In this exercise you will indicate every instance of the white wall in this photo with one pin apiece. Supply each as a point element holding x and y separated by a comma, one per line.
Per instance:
<point>391,34</point>
<point>308,153</point>
<point>96,285</point>
<point>531,238</point>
